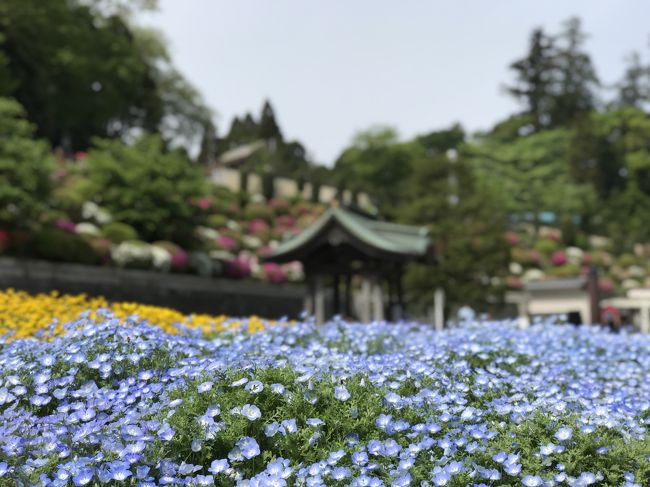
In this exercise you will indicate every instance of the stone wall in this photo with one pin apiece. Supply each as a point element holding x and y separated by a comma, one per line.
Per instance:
<point>283,187</point>
<point>186,293</point>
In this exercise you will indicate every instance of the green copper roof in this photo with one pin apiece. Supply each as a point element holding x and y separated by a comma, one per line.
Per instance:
<point>393,238</point>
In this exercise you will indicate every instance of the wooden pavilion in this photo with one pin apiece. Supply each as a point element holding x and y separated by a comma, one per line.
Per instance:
<point>342,244</point>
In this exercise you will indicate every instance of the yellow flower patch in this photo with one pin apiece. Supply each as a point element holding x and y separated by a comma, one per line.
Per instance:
<point>24,315</point>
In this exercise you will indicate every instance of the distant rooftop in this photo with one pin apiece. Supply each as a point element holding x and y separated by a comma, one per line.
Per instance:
<point>379,237</point>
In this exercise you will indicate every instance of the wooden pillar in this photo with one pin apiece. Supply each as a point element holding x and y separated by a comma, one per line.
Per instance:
<point>366,313</point>
<point>439,309</point>
<point>308,301</point>
<point>390,308</point>
<point>522,311</point>
<point>377,299</point>
<point>594,298</point>
<point>645,319</point>
<point>337,295</point>
<point>348,295</point>
<point>399,289</point>
<point>319,299</point>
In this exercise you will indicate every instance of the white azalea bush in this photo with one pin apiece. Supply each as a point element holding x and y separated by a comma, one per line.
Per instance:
<point>344,404</point>
<point>135,254</point>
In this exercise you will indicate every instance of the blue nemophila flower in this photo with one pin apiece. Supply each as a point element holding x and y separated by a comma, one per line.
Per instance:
<point>277,389</point>
<point>441,478</point>
<point>500,457</point>
<point>166,432</point>
<point>254,387</point>
<point>203,480</point>
<point>84,476</point>
<point>119,471</point>
<point>340,473</point>
<point>250,412</point>
<point>341,393</point>
<point>532,481</point>
<point>564,434</point>
<point>548,449</point>
<point>205,387</point>
<point>219,466</point>
<point>245,449</point>
<point>587,478</point>
<point>197,446</point>
<point>433,382</point>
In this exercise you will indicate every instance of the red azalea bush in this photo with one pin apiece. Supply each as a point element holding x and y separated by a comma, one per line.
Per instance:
<point>237,268</point>
<point>559,258</point>
<point>179,258</point>
<point>65,225</point>
<point>273,273</point>
<point>258,226</point>
<point>226,242</point>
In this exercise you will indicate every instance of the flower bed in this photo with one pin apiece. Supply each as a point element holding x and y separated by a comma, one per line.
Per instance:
<point>125,403</point>
<point>23,315</point>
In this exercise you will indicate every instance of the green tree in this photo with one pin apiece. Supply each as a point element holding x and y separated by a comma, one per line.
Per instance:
<point>81,69</point>
<point>576,85</point>
<point>378,164</point>
<point>268,127</point>
<point>25,168</point>
<point>534,82</point>
<point>466,224</point>
<point>148,187</point>
<point>634,89</point>
<point>440,141</point>
<point>181,113</point>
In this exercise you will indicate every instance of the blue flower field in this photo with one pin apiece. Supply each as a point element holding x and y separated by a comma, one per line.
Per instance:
<point>125,403</point>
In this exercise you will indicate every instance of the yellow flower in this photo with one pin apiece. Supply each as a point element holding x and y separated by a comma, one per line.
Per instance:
<point>24,315</point>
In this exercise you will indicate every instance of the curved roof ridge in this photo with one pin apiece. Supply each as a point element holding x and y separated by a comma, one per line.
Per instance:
<point>388,237</point>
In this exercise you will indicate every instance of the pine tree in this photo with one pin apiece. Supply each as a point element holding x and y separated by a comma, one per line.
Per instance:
<point>576,81</point>
<point>534,79</point>
<point>634,88</point>
<point>268,127</point>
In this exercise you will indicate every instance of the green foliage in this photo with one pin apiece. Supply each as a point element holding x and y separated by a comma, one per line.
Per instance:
<point>546,246</point>
<point>82,70</point>
<point>25,168</point>
<point>556,80</point>
<point>257,210</point>
<point>377,163</point>
<point>274,155</point>
<point>465,222</point>
<point>118,232</point>
<point>216,221</point>
<point>567,270</point>
<point>147,187</point>
<point>59,245</point>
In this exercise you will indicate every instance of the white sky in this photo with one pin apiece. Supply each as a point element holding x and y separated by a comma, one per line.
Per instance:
<point>334,67</point>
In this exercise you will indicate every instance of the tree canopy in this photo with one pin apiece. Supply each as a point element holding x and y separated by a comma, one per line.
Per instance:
<point>82,70</point>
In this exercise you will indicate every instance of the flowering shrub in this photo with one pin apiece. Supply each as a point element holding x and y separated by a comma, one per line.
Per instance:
<point>344,404</point>
<point>559,258</point>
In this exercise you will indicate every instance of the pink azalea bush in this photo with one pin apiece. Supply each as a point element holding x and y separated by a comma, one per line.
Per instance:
<point>273,272</point>
<point>65,224</point>
<point>559,258</point>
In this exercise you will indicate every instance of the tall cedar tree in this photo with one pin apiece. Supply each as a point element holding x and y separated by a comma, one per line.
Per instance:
<point>535,79</point>
<point>576,83</point>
